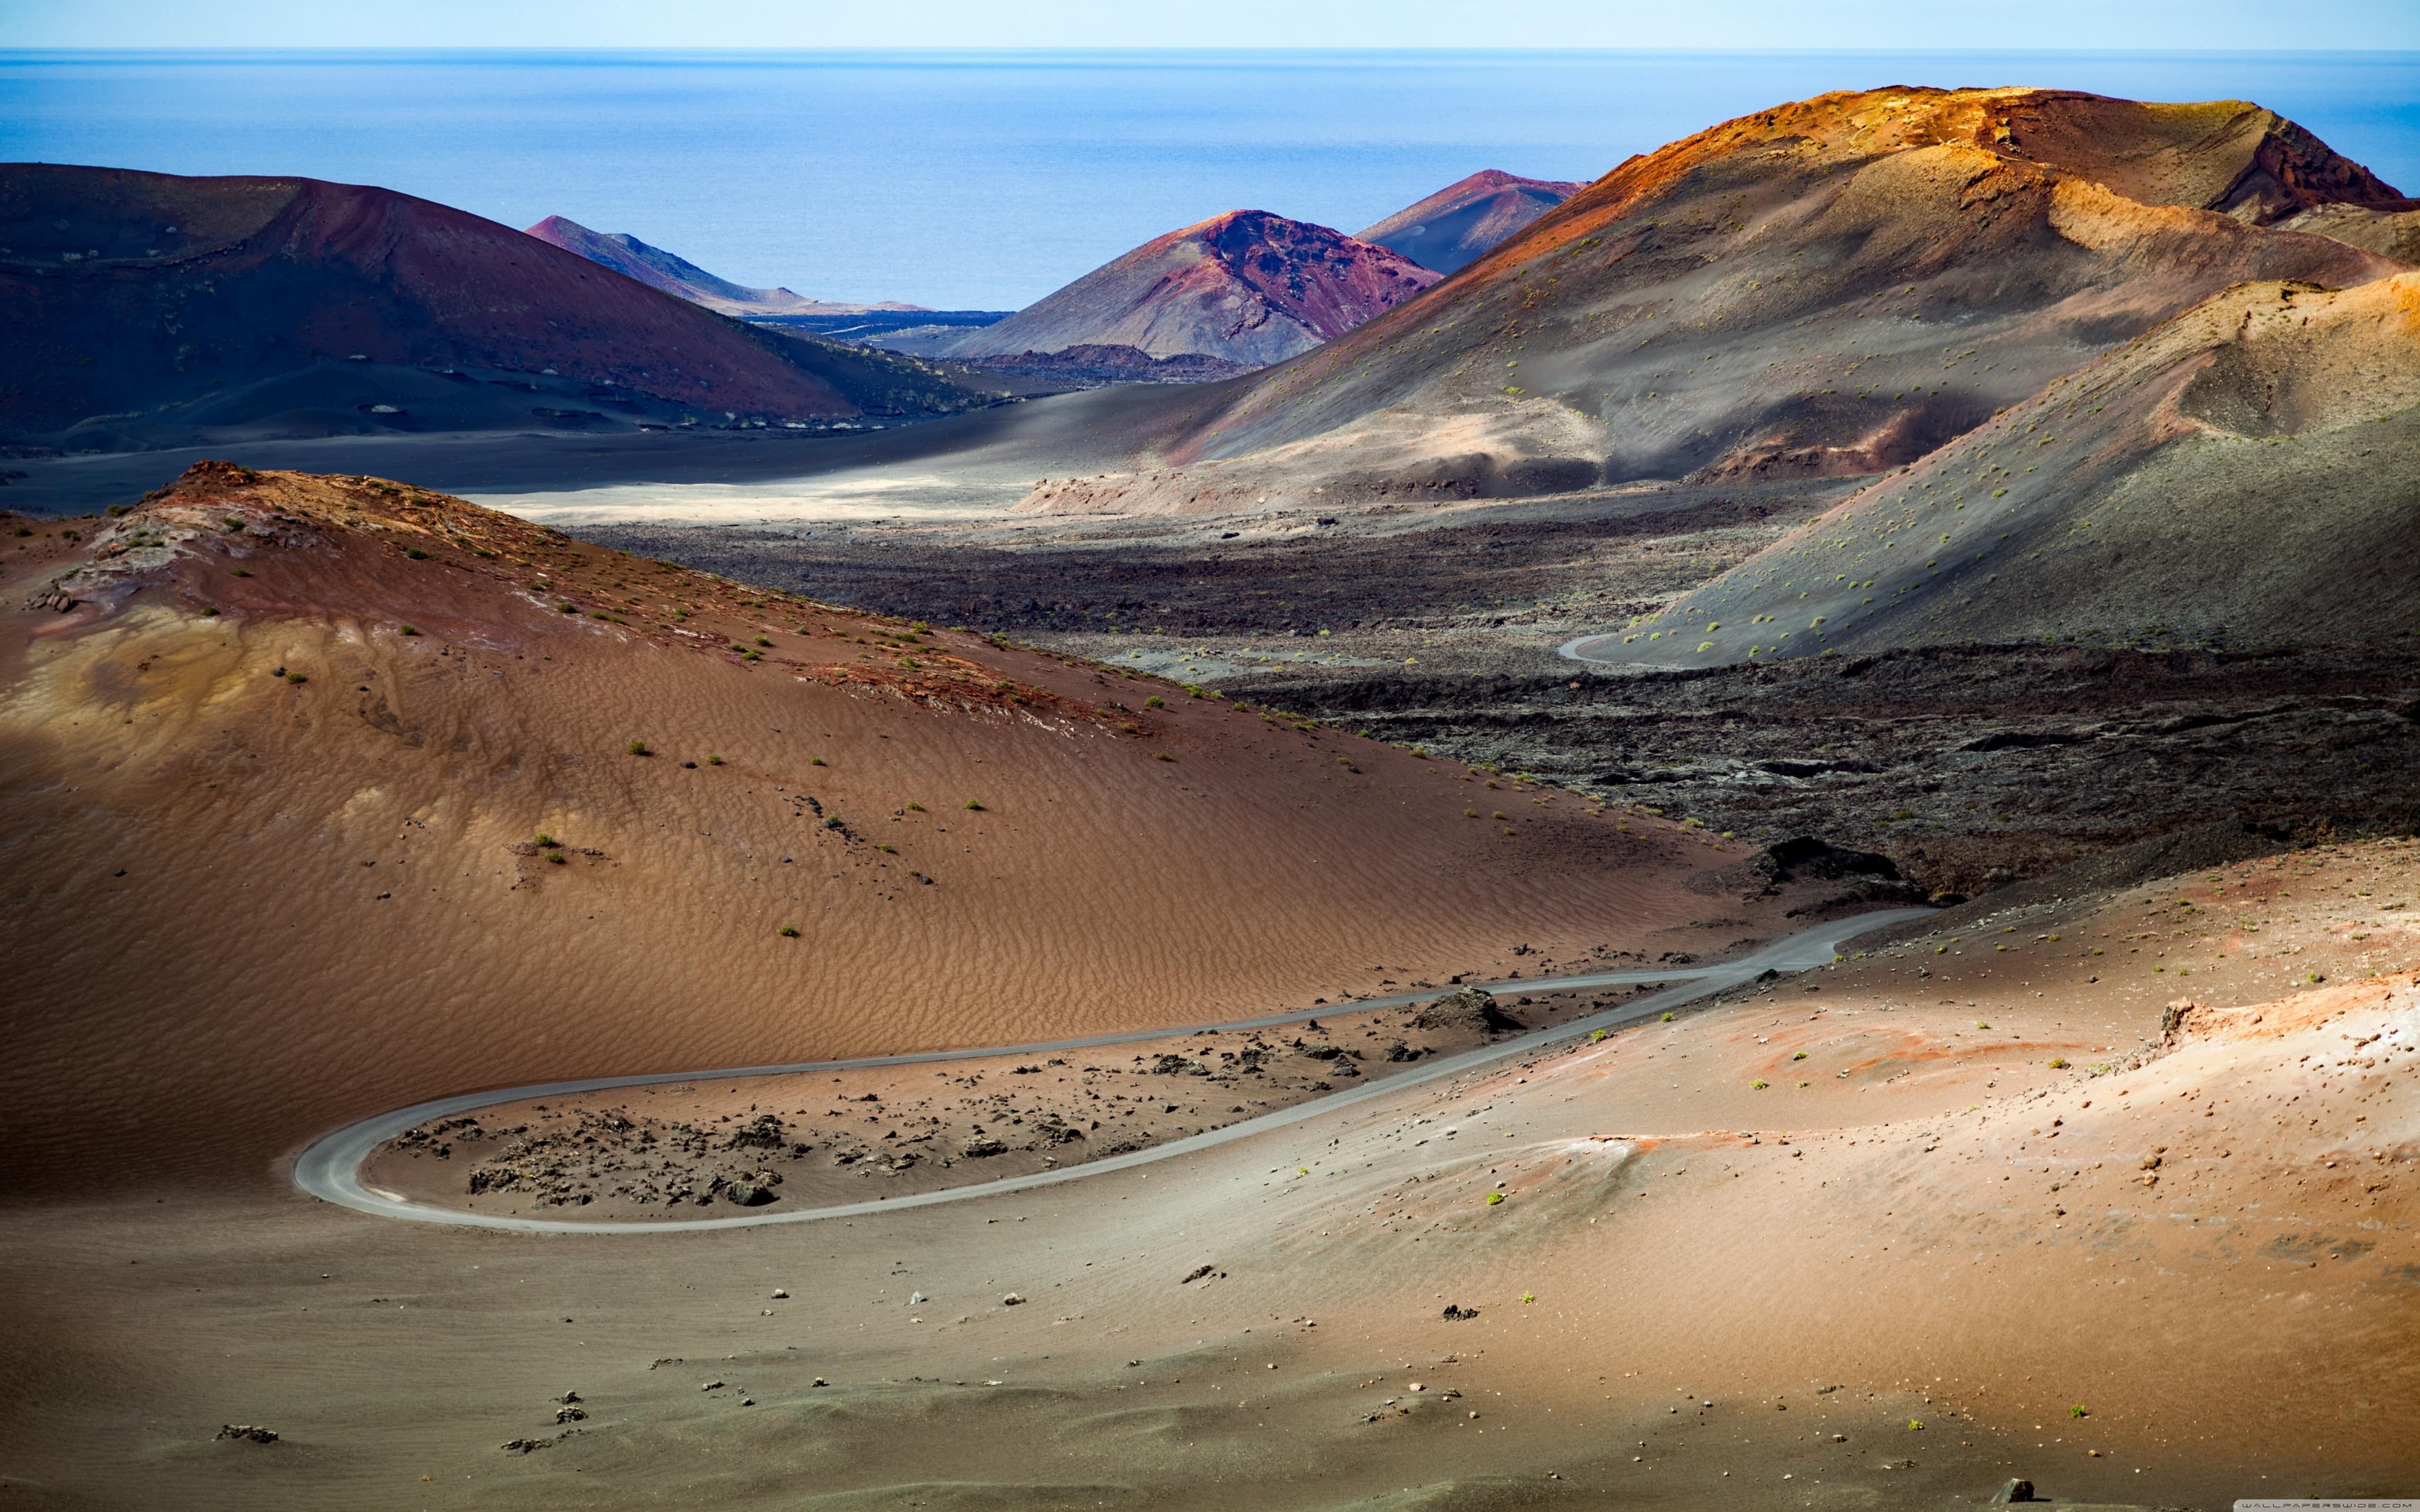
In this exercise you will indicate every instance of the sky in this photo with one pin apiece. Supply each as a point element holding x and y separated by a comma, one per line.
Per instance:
<point>2252,25</point>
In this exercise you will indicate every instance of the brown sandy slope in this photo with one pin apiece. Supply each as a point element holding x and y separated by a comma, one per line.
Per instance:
<point>1468,217</point>
<point>682,279</point>
<point>1246,286</point>
<point>1829,287</point>
<point>2244,476</point>
<point>1697,1291</point>
<point>129,294</point>
<point>273,866</point>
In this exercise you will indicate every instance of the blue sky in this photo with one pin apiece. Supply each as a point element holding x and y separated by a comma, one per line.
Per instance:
<point>2256,25</point>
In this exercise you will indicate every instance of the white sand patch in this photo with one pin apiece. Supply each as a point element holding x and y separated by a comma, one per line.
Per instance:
<point>857,497</point>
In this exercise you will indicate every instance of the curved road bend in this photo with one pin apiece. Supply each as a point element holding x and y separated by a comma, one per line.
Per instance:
<point>330,1167</point>
<point>1580,650</point>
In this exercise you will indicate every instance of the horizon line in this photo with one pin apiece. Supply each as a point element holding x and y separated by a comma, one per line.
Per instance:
<point>942,49</point>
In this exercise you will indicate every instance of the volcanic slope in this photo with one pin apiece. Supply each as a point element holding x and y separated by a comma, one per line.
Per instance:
<point>1464,219</point>
<point>679,277</point>
<point>327,794</point>
<point>144,308</point>
<point>1830,288</point>
<point>1246,286</point>
<point>2242,476</point>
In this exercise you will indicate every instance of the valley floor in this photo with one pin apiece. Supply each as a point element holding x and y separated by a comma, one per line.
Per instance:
<point>1972,1205</point>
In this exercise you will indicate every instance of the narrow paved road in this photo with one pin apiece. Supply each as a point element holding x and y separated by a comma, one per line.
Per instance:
<point>330,1168</point>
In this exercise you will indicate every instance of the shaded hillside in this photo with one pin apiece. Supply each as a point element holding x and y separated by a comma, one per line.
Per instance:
<point>679,277</point>
<point>2244,475</point>
<point>1246,286</point>
<point>384,796</point>
<point>131,294</point>
<point>1464,219</point>
<point>1828,288</point>
<point>2389,233</point>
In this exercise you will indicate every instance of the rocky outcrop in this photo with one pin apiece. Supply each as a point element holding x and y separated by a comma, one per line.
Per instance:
<point>1469,1009</point>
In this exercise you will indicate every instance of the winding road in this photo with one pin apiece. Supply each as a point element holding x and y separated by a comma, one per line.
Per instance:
<point>330,1167</point>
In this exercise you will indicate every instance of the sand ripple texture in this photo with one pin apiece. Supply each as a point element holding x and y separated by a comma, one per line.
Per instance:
<point>319,802</point>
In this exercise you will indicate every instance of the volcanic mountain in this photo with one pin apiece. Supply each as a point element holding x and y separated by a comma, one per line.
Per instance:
<point>1830,288</point>
<point>1464,219</point>
<point>1246,286</point>
<point>477,803</point>
<point>677,276</point>
<point>2241,476</point>
<point>144,305</point>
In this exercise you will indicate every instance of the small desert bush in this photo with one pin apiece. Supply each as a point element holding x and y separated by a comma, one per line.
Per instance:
<point>787,933</point>
<point>639,748</point>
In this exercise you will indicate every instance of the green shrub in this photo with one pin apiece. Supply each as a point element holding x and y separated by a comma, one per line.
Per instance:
<point>296,677</point>
<point>407,629</point>
<point>787,933</point>
<point>974,805</point>
<point>1155,701</point>
<point>714,761</point>
<point>639,748</point>
<point>544,841</point>
<point>1666,1019</point>
<point>415,553</point>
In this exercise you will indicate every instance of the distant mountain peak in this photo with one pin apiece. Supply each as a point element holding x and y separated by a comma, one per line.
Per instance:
<point>677,276</point>
<point>1246,286</point>
<point>1468,217</point>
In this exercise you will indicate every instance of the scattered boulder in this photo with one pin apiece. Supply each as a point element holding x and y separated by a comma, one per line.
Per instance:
<point>248,1433</point>
<point>1011,1300</point>
<point>764,1133</point>
<point>982,1145</point>
<point>750,1193</point>
<point>1468,1009</point>
<point>1455,1312</point>
<point>1400,1051</point>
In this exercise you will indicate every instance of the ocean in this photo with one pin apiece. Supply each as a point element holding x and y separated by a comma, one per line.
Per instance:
<point>984,180</point>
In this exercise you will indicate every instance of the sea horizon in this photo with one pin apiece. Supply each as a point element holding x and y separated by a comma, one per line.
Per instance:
<point>985,179</point>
